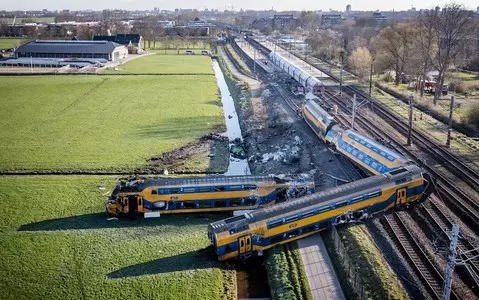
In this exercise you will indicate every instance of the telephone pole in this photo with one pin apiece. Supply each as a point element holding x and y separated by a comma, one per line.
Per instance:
<point>449,125</point>
<point>409,130</point>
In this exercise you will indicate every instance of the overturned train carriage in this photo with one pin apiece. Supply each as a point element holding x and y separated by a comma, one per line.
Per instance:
<point>152,197</point>
<point>362,150</point>
<point>252,233</point>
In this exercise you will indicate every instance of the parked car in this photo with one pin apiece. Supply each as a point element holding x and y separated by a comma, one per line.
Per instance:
<point>190,52</point>
<point>205,52</point>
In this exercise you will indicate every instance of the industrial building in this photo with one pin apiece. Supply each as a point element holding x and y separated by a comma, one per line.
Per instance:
<point>72,49</point>
<point>134,42</point>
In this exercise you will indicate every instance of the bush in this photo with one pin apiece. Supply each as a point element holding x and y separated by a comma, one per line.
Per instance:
<point>473,114</point>
<point>388,77</point>
<point>459,87</point>
<point>473,65</point>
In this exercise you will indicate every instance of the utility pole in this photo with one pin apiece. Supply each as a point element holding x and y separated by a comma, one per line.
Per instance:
<point>353,112</point>
<point>449,126</point>
<point>341,56</point>
<point>409,130</point>
<point>451,263</point>
<point>371,79</point>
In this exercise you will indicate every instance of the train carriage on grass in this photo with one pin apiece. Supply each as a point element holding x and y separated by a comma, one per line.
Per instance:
<point>152,197</point>
<point>254,232</point>
<point>362,150</point>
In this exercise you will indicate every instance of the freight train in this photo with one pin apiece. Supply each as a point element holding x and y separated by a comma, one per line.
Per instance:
<point>363,151</point>
<point>152,197</point>
<point>252,233</point>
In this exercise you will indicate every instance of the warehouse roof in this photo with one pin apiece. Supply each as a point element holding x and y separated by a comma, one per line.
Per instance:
<point>68,47</point>
<point>123,39</point>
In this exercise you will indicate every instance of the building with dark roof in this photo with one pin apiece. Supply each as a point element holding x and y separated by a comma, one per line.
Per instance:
<point>134,42</point>
<point>72,49</point>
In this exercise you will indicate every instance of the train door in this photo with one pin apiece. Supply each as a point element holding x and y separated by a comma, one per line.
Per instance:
<point>132,206</point>
<point>245,244</point>
<point>401,197</point>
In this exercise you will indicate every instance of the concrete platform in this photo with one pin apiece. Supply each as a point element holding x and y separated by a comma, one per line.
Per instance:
<point>323,280</point>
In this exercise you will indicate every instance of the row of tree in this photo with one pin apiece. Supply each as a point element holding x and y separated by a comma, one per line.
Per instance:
<point>435,40</point>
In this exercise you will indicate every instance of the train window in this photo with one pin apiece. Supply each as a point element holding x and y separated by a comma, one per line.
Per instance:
<point>189,190</point>
<point>250,187</point>
<point>355,152</point>
<point>234,219</point>
<point>174,191</point>
<point>274,224</point>
<point>163,191</point>
<point>341,204</point>
<point>374,194</point>
<point>242,228</point>
<point>235,202</point>
<point>140,202</point>
<point>204,204</point>
<point>323,209</point>
<point>189,204</point>
<point>308,229</point>
<point>361,156</point>
<point>307,214</point>
<point>291,219</point>
<point>220,203</point>
<point>357,199</point>
<point>397,171</point>
<point>276,239</point>
<point>219,188</point>
<point>236,187</point>
<point>205,189</point>
<point>154,192</point>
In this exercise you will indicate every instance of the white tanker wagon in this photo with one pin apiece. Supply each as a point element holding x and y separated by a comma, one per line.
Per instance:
<point>307,81</point>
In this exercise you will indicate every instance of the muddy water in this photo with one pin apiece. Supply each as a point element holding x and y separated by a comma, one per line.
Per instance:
<point>233,130</point>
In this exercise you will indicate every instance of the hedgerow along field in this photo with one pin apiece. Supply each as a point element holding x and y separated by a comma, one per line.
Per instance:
<point>101,123</point>
<point>166,64</point>
<point>57,244</point>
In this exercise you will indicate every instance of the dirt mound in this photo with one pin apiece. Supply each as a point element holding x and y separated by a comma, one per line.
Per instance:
<point>209,154</point>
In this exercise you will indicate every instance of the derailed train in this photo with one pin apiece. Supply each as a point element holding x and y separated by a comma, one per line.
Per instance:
<point>253,232</point>
<point>152,197</point>
<point>363,151</point>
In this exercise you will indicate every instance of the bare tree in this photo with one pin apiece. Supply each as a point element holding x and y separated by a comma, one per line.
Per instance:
<point>453,27</point>
<point>394,46</point>
<point>361,61</point>
<point>426,36</point>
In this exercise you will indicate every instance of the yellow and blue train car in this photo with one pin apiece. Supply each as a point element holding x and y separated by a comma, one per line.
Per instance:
<point>252,233</point>
<point>361,150</point>
<point>201,194</point>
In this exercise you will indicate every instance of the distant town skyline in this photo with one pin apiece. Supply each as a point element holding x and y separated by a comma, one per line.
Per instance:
<point>298,5</point>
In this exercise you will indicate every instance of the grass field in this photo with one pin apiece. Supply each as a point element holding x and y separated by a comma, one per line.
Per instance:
<point>101,123</point>
<point>7,43</point>
<point>56,244</point>
<point>166,64</point>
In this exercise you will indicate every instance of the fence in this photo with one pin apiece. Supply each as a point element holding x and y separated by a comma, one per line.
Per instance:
<point>350,269</point>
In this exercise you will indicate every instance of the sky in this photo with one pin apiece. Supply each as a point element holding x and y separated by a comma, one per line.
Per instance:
<point>235,4</point>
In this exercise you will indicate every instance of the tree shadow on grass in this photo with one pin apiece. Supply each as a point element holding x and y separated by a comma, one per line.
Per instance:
<point>100,221</point>
<point>193,260</point>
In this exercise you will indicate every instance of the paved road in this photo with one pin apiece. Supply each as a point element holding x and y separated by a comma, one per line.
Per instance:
<point>322,278</point>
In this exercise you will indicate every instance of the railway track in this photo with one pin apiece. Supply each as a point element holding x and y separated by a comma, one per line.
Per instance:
<point>464,204</point>
<point>426,143</point>
<point>413,252</point>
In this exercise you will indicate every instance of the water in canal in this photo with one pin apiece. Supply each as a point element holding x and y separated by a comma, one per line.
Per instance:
<point>233,130</point>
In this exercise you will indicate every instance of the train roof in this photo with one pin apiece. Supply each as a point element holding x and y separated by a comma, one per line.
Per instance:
<point>326,197</point>
<point>207,180</point>
<point>318,110</point>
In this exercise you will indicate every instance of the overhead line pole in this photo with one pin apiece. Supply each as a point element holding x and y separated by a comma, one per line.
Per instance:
<point>449,125</point>
<point>409,130</point>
